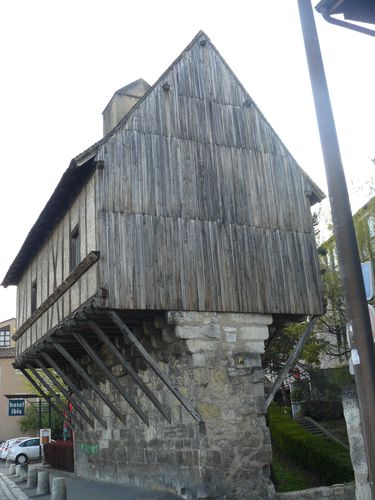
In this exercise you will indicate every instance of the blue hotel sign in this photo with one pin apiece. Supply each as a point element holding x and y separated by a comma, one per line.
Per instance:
<point>16,407</point>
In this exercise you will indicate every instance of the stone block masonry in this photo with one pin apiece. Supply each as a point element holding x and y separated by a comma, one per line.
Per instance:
<point>214,359</point>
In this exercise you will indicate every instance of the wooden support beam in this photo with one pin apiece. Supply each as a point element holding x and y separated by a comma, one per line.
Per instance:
<point>89,381</point>
<point>44,396</point>
<point>49,388</point>
<point>74,276</point>
<point>96,359</point>
<point>291,360</point>
<point>78,394</point>
<point>129,369</point>
<point>131,338</point>
<point>62,389</point>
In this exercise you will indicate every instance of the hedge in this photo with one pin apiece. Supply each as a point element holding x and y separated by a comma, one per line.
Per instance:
<point>59,454</point>
<point>330,461</point>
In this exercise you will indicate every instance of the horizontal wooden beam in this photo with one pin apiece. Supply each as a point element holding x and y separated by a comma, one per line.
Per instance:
<point>74,276</point>
<point>132,339</point>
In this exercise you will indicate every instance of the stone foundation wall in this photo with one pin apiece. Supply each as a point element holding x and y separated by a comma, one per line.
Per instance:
<point>214,360</point>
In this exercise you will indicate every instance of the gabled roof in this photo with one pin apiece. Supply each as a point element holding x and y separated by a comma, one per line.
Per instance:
<point>82,167</point>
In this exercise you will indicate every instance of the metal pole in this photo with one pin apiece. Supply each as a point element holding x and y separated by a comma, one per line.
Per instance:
<point>363,354</point>
<point>40,426</point>
<point>49,414</point>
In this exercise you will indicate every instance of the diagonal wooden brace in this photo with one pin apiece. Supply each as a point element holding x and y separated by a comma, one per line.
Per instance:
<point>62,389</point>
<point>68,381</point>
<point>89,381</point>
<point>132,339</point>
<point>110,376</point>
<point>49,388</point>
<point>129,369</point>
<point>44,396</point>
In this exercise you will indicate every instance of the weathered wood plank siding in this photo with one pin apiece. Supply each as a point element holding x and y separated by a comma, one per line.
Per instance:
<point>201,206</point>
<point>51,266</point>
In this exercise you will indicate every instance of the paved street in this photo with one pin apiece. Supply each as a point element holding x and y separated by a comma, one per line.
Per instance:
<point>78,489</point>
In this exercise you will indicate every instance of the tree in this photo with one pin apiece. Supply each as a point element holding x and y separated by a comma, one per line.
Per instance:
<point>30,421</point>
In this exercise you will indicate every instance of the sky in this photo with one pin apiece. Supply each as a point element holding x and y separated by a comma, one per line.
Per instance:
<point>61,62</point>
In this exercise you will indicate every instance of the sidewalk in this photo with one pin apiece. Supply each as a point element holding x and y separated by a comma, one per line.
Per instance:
<point>11,488</point>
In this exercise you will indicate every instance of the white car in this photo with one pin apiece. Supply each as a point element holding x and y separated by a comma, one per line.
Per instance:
<point>24,451</point>
<point>5,447</point>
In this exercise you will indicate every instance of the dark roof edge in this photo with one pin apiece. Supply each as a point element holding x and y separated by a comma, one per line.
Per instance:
<point>71,182</point>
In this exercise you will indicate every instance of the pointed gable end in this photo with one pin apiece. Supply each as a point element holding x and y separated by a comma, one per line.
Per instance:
<point>194,175</point>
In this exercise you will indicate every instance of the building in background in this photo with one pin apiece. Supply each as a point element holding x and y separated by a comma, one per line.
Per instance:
<point>332,325</point>
<point>11,381</point>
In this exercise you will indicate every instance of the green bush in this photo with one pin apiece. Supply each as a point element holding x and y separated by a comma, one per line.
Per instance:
<point>330,461</point>
<point>323,410</point>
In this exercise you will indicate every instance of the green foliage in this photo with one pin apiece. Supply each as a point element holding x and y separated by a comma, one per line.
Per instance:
<point>288,476</point>
<point>278,352</point>
<point>332,324</point>
<point>327,459</point>
<point>30,421</point>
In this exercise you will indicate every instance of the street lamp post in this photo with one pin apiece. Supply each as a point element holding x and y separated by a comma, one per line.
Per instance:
<point>363,354</point>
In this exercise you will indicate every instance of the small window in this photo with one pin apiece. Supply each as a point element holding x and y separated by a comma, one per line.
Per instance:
<point>5,336</point>
<point>34,290</point>
<point>75,249</point>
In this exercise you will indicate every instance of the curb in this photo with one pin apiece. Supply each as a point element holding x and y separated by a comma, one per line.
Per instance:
<point>9,490</point>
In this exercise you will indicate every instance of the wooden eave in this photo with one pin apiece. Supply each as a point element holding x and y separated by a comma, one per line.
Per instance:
<point>71,183</point>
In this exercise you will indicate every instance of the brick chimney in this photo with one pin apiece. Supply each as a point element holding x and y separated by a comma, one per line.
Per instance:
<point>122,102</point>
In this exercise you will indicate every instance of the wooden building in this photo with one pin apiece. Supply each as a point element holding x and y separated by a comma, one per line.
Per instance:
<point>189,212</point>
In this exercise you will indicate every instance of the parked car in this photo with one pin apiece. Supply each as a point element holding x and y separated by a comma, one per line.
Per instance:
<point>5,447</point>
<point>24,451</point>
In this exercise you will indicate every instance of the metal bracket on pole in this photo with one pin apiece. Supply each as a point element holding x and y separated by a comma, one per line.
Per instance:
<point>130,338</point>
<point>345,24</point>
<point>291,360</point>
<point>67,380</point>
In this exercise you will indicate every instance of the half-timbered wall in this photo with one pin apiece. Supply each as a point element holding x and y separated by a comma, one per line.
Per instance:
<point>52,265</point>
<point>201,205</point>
